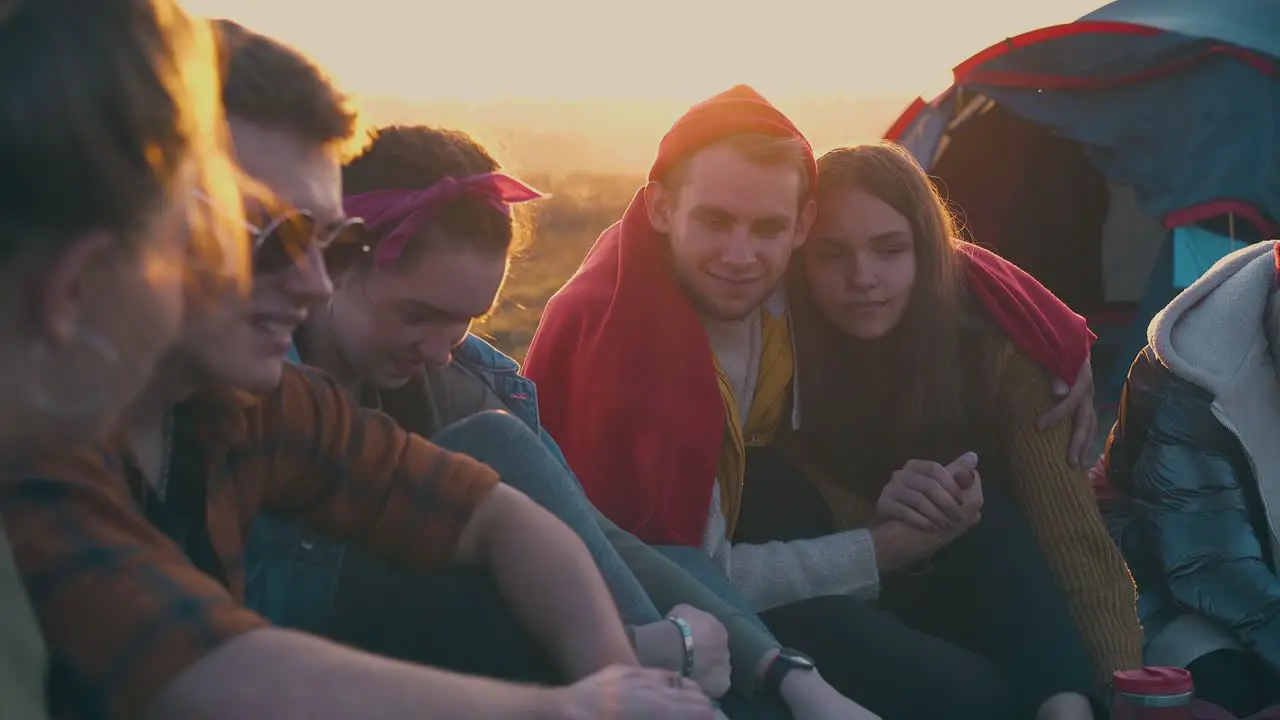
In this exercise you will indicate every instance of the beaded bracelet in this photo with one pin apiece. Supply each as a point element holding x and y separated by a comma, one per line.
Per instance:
<point>686,634</point>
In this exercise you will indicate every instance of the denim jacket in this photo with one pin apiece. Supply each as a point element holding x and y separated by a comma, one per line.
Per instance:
<point>292,574</point>
<point>503,377</point>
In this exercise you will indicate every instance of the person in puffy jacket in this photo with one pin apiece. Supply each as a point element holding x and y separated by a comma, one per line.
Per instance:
<point>1193,468</point>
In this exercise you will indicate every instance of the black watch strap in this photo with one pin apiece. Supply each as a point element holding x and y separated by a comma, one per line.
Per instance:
<point>770,683</point>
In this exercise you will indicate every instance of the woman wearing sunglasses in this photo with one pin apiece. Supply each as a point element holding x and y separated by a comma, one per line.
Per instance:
<point>109,121</point>
<point>244,344</point>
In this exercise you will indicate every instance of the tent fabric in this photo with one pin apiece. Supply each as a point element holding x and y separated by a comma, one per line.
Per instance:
<point>1150,88</point>
<point>1220,117</point>
<point>1040,204</point>
<point>1178,101</point>
<point>1090,61</point>
<point>921,139</point>
<point>1243,23</point>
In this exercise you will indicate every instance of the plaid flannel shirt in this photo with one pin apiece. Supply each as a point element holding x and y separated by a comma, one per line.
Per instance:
<point>124,611</point>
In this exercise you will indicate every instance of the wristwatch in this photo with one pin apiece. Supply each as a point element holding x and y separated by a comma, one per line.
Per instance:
<point>769,684</point>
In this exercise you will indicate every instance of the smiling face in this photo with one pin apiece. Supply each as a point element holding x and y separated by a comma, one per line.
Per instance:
<point>245,346</point>
<point>860,262</point>
<point>390,324</point>
<point>733,223</point>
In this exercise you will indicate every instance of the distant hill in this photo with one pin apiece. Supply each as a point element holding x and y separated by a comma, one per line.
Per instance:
<point>544,136</point>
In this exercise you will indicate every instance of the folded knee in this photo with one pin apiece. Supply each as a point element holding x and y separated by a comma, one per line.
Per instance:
<point>486,430</point>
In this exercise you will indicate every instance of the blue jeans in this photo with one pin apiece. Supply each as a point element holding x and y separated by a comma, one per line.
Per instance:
<point>453,618</point>
<point>697,563</point>
<point>292,576</point>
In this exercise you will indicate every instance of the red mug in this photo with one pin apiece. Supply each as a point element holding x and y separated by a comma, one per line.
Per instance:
<point>1152,693</point>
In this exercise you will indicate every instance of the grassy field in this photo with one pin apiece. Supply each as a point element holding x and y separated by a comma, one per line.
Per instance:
<point>564,227</point>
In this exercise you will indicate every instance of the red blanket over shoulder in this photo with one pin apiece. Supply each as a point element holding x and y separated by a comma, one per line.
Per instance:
<point>625,375</point>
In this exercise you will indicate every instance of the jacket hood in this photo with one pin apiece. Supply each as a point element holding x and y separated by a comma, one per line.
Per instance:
<point>1208,331</point>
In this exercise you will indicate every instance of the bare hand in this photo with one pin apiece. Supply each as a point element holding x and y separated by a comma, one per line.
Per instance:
<point>925,495</point>
<point>660,645</point>
<point>711,666</point>
<point>1077,402</point>
<point>970,483</point>
<point>899,544</point>
<point>623,692</point>
<point>809,697</point>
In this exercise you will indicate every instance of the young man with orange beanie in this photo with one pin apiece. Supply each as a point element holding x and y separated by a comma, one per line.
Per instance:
<point>669,353</point>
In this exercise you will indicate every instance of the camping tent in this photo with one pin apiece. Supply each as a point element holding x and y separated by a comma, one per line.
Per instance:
<point>1116,157</point>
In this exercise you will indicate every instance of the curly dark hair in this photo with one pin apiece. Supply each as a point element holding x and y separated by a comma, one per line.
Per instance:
<point>417,156</point>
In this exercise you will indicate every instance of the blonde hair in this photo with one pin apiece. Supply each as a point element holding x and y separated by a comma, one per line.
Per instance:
<point>217,226</point>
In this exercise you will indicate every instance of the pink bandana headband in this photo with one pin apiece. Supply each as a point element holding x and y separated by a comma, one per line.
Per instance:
<point>393,216</point>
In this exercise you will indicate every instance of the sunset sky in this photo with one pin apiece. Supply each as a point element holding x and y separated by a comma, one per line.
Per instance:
<point>659,49</point>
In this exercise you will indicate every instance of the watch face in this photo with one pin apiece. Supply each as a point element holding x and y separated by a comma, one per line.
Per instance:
<point>797,660</point>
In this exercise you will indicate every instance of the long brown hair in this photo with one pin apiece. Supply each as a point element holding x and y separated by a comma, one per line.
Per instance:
<point>904,395</point>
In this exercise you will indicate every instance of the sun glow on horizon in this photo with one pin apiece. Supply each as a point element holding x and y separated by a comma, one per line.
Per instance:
<point>661,50</point>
